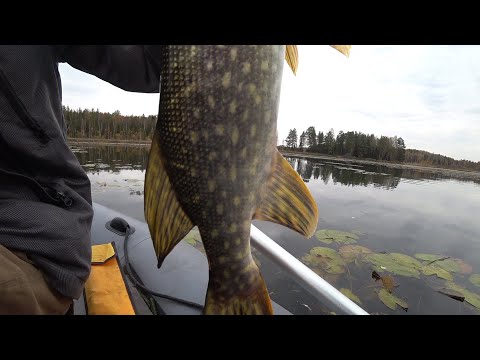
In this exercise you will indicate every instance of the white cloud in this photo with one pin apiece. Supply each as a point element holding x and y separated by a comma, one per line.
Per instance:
<point>426,94</point>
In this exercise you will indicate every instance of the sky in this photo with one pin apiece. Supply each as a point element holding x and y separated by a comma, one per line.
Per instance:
<point>428,95</point>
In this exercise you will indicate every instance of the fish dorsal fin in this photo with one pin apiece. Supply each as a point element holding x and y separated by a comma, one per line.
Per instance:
<point>165,217</point>
<point>291,55</point>
<point>344,49</point>
<point>288,201</point>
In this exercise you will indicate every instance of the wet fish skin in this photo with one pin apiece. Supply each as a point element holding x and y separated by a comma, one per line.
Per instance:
<point>214,164</point>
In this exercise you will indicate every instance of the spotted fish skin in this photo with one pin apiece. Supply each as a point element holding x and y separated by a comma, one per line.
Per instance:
<point>216,139</point>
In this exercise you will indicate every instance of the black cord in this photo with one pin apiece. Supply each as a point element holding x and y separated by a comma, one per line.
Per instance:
<point>139,285</point>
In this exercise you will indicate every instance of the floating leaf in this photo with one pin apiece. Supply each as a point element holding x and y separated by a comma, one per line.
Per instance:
<point>358,232</point>
<point>446,263</point>
<point>428,257</point>
<point>391,300</point>
<point>350,252</point>
<point>453,294</point>
<point>324,251</point>
<point>436,270</point>
<point>470,297</point>
<point>342,237</point>
<point>348,293</point>
<point>331,278</point>
<point>475,279</point>
<point>398,264</point>
<point>407,260</point>
<point>388,282</point>
<point>326,259</point>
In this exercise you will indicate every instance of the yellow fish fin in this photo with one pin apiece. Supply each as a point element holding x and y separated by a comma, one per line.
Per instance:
<point>288,201</point>
<point>344,49</point>
<point>291,55</point>
<point>166,219</point>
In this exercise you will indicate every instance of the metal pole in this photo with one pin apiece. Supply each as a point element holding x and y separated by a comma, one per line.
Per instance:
<point>313,283</point>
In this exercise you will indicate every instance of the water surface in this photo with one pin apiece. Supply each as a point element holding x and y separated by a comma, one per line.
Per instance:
<point>389,210</point>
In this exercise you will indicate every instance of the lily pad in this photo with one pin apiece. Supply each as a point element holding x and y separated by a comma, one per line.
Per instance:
<point>348,293</point>
<point>357,232</point>
<point>435,270</point>
<point>387,281</point>
<point>391,300</point>
<point>326,259</point>
<point>342,237</point>
<point>470,297</point>
<point>475,279</point>
<point>350,252</point>
<point>324,251</point>
<point>428,257</point>
<point>405,259</point>
<point>452,265</point>
<point>395,263</point>
<point>452,293</point>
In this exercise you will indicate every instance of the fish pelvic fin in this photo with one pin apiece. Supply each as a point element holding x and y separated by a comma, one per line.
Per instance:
<point>167,222</point>
<point>249,298</point>
<point>287,200</point>
<point>291,56</point>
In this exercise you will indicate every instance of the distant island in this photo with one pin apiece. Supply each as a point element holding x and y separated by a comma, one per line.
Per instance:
<point>85,125</point>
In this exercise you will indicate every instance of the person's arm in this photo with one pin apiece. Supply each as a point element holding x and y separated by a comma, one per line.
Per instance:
<point>130,67</point>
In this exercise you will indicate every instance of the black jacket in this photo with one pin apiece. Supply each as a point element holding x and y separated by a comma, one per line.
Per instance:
<point>45,197</point>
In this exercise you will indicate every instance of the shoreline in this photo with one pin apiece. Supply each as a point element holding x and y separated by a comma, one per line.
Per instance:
<point>452,172</point>
<point>446,171</point>
<point>75,141</point>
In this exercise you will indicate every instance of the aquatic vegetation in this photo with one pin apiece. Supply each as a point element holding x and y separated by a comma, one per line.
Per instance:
<point>387,281</point>
<point>452,294</point>
<point>399,264</point>
<point>475,279</point>
<point>348,293</point>
<point>341,237</point>
<point>446,263</point>
<point>391,300</point>
<point>351,252</point>
<point>470,297</point>
<point>324,259</point>
<point>438,271</point>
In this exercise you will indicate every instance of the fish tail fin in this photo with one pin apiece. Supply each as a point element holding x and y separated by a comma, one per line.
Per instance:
<point>245,295</point>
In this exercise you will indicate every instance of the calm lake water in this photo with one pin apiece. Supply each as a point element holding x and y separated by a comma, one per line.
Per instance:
<point>385,211</point>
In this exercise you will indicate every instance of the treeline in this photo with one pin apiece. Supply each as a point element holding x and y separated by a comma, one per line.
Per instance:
<point>368,146</point>
<point>378,175</point>
<point>308,170</point>
<point>349,143</point>
<point>93,124</point>
<point>430,159</point>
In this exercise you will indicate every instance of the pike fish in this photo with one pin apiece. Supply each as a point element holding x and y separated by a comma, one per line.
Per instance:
<point>214,163</point>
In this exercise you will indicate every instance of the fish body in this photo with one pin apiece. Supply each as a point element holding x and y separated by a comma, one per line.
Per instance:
<point>214,163</point>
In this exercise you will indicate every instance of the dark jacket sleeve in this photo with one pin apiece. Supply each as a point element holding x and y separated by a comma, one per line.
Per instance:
<point>130,67</point>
